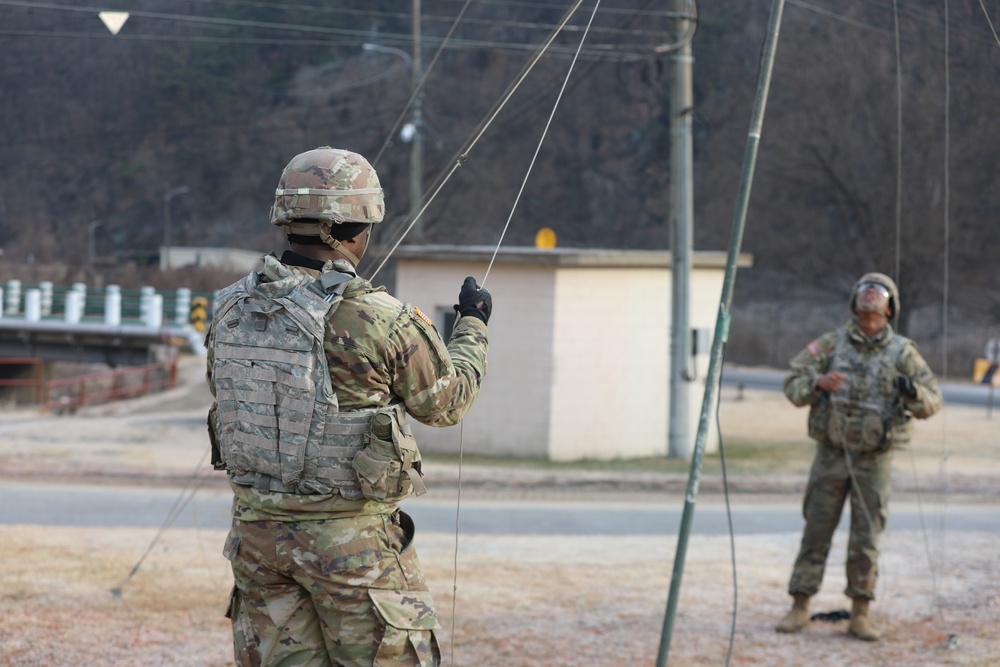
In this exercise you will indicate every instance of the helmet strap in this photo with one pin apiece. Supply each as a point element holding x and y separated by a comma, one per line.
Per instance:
<point>324,233</point>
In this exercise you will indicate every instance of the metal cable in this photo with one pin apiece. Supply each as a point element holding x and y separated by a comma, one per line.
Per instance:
<point>463,154</point>
<point>185,497</point>
<point>992,29</point>
<point>458,511</point>
<point>420,84</point>
<point>458,502</point>
<point>729,520</point>
<point>899,138</point>
<point>541,140</point>
<point>943,467</point>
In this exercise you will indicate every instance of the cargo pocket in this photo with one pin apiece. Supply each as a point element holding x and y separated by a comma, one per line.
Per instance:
<point>410,624</point>
<point>373,473</point>
<point>245,637</point>
<point>231,548</point>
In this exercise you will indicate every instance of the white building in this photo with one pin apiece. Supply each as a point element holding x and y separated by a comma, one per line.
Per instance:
<point>228,259</point>
<point>579,346</point>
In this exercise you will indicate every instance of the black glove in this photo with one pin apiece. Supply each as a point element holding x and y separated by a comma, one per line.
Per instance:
<point>906,386</point>
<point>474,300</point>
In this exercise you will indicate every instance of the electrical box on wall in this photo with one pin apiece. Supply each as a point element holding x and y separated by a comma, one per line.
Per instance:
<point>701,341</point>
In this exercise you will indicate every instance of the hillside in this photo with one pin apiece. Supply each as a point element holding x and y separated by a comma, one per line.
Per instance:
<point>177,128</point>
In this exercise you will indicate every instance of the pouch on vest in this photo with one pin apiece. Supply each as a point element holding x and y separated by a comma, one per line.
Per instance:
<point>858,430</point>
<point>388,466</point>
<point>213,437</point>
<point>819,417</point>
<point>276,408</point>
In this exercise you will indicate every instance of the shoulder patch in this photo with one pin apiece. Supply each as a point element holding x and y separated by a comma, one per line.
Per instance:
<point>813,348</point>
<point>422,316</point>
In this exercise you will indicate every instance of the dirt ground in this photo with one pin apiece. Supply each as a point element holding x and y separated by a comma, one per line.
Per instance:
<point>514,599</point>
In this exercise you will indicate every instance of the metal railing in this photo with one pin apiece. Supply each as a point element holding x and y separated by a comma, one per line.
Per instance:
<point>112,304</point>
<point>35,382</point>
<point>132,382</point>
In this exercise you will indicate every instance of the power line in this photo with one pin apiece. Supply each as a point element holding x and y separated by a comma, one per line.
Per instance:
<point>426,17</point>
<point>594,50</point>
<point>931,21</point>
<point>990,22</point>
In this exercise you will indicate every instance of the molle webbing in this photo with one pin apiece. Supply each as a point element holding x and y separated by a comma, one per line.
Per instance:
<point>865,414</point>
<point>281,429</point>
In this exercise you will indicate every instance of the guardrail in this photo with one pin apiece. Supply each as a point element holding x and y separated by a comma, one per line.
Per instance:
<point>35,382</point>
<point>67,394</point>
<point>113,305</point>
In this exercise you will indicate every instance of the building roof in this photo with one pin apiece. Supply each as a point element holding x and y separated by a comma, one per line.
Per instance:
<point>566,257</point>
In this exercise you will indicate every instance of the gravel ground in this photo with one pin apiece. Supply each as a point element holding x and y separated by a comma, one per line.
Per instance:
<point>521,600</point>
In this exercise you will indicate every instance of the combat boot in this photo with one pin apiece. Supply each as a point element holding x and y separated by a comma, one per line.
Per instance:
<point>861,626</point>
<point>798,617</point>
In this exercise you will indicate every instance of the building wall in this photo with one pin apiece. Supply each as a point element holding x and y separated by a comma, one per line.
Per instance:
<point>231,259</point>
<point>511,416</point>
<point>579,358</point>
<point>610,386</point>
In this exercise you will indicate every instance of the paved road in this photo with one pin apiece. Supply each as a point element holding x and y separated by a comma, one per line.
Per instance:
<point>113,506</point>
<point>956,393</point>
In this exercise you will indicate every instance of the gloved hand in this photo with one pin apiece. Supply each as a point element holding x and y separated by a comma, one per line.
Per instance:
<point>906,386</point>
<point>474,301</point>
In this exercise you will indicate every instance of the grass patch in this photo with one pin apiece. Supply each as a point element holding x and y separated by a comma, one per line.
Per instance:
<point>648,464</point>
<point>743,456</point>
<point>750,456</point>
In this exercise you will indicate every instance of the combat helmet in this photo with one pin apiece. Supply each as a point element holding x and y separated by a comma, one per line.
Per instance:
<point>324,187</point>
<point>881,279</point>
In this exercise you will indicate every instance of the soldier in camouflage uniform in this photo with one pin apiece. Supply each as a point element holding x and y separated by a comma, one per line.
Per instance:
<point>863,384</point>
<point>314,371</point>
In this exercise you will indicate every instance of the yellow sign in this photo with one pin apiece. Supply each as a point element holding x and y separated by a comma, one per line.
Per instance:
<point>545,239</point>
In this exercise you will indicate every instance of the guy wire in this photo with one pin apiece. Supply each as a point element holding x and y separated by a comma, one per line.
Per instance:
<point>458,510</point>
<point>899,137</point>
<point>420,84</point>
<point>459,158</point>
<point>185,497</point>
<point>943,471</point>
<point>541,140</point>
<point>990,22</point>
<point>729,516</point>
<point>484,125</point>
<point>458,502</point>
<point>899,207</point>
<point>857,489</point>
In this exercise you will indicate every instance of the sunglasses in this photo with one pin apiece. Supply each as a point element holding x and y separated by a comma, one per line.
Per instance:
<point>883,290</point>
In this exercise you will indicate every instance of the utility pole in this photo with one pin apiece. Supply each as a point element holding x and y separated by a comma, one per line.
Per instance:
<point>681,225</point>
<point>165,262</point>
<point>416,117</point>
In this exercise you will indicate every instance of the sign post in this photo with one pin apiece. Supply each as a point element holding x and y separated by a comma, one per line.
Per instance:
<point>992,354</point>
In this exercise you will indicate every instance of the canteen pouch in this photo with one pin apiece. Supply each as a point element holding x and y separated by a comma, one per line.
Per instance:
<point>819,418</point>
<point>213,437</point>
<point>388,465</point>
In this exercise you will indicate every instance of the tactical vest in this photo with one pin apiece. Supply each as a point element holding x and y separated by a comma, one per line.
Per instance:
<point>277,422</point>
<point>865,414</point>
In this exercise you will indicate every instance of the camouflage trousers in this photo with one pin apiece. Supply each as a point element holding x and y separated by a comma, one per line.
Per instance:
<point>340,592</point>
<point>830,484</point>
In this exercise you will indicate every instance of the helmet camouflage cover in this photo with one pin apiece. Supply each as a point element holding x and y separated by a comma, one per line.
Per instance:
<point>881,279</point>
<point>329,185</point>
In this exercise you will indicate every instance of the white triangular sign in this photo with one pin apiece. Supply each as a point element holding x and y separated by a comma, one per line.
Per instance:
<point>113,21</point>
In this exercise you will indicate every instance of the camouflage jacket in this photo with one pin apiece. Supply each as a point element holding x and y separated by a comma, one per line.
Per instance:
<point>875,358</point>
<point>379,350</point>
